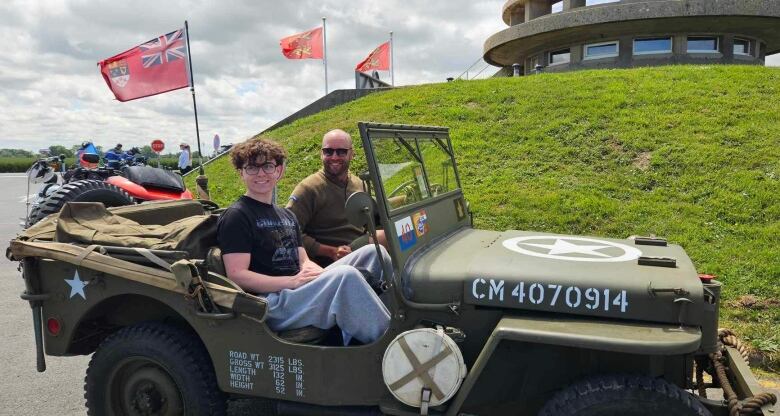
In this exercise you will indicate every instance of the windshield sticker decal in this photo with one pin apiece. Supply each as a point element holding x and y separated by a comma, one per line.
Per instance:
<point>572,249</point>
<point>405,232</point>
<point>420,220</point>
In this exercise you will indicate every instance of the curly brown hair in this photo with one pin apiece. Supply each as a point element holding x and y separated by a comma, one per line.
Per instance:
<point>248,152</point>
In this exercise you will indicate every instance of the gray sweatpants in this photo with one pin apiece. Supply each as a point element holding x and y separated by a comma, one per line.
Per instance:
<point>341,295</point>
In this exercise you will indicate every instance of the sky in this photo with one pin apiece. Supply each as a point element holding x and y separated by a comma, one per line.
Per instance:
<point>51,90</point>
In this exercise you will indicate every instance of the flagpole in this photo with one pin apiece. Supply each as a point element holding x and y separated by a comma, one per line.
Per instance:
<point>192,90</point>
<point>325,54</point>
<point>201,181</point>
<point>392,64</point>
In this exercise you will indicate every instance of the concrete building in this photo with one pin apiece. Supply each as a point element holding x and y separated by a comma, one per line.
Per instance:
<point>580,34</point>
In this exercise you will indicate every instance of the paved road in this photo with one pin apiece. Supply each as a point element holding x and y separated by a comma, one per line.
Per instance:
<point>24,391</point>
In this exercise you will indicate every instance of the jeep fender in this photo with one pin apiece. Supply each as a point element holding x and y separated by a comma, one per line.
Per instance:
<point>591,334</point>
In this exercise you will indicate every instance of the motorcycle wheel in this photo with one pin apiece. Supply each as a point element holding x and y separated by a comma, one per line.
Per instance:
<point>80,191</point>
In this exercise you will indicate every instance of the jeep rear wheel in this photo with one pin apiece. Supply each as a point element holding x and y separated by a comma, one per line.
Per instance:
<point>80,191</point>
<point>152,369</point>
<point>623,395</point>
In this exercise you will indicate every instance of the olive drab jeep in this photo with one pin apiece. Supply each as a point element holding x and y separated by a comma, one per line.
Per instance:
<point>483,322</point>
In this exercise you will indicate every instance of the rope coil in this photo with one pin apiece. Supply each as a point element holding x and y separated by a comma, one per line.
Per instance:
<point>728,337</point>
<point>749,406</point>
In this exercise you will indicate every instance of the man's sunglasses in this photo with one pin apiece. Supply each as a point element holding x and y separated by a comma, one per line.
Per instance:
<point>266,167</point>
<point>327,151</point>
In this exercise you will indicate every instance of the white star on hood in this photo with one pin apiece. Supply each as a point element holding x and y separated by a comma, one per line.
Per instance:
<point>565,247</point>
<point>76,286</point>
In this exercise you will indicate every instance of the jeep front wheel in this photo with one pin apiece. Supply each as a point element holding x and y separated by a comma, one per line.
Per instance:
<point>152,369</point>
<point>623,395</point>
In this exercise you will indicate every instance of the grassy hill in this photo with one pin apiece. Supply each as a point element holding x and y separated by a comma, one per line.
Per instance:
<point>690,153</point>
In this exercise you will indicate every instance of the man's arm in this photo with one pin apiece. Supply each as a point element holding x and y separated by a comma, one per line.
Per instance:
<point>237,268</point>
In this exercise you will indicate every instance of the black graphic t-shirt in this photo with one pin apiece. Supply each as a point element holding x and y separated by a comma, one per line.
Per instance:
<point>270,234</point>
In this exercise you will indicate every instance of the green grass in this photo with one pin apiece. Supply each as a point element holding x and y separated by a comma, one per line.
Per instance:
<point>690,153</point>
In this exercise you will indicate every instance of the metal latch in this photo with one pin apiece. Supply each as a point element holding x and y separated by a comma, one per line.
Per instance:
<point>425,400</point>
<point>675,290</point>
<point>683,302</point>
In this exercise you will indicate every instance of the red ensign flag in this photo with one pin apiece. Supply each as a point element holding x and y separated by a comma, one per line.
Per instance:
<point>305,45</point>
<point>378,59</point>
<point>154,67</point>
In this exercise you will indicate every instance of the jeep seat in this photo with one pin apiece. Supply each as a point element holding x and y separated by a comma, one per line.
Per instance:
<point>305,335</point>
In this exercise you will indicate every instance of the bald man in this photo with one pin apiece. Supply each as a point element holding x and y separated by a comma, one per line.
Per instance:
<point>318,203</point>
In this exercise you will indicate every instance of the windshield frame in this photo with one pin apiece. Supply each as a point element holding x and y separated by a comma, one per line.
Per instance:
<point>410,142</point>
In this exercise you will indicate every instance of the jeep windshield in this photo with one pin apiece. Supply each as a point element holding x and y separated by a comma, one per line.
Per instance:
<point>414,169</point>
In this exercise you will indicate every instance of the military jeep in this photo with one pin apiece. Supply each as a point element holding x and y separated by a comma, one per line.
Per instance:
<point>483,322</point>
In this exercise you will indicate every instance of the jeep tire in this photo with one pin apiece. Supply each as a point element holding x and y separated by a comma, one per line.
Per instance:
<point>152,369</point>
<point>88,190</point>
<point>623,395</point>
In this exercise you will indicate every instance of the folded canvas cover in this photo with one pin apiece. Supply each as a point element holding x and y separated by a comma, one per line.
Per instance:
<point>90,223</point>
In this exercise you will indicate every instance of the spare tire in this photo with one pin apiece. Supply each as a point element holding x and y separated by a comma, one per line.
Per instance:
<point>88,190</point>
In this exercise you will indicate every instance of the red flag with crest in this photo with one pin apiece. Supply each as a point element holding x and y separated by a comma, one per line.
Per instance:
<point>151,68</point>
<point>378,59</point>
<point>304,45</point>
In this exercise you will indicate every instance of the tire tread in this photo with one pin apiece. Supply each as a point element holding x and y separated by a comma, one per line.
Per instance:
<point>178,343</point>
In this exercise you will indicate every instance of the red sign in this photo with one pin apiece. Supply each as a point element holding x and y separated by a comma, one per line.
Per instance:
<point>158,145</point>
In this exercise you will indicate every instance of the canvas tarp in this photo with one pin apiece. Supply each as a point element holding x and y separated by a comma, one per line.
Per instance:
<point>147,213</point>
<point>91,223</point>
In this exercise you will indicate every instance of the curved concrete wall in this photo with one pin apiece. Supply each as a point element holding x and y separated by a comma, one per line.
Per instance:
<point>535,31</point>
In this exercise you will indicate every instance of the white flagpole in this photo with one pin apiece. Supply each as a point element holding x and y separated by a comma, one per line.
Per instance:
<point>325,55</point>
<point>392,64</point>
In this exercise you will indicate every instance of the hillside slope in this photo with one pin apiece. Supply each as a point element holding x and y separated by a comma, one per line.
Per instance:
<point>690,153</point>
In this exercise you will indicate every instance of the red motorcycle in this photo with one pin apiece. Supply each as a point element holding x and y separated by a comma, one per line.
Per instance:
<point>125,185</point>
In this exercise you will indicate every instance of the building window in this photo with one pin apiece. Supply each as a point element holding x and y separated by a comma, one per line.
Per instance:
<point>595,2</point>
<point>562,56</point>
<point>703,44</point>
<point>652,45</point>
<point>741,46</point>
<point>533,62</point>
<point>601,50</point>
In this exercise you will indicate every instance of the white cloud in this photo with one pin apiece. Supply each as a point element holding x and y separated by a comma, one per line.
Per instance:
<point>51,90</point>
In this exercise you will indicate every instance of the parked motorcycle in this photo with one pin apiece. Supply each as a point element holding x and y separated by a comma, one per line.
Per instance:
<point>128,182</point>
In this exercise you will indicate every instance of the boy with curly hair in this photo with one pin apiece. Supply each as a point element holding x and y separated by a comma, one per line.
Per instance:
<point>263,252</point>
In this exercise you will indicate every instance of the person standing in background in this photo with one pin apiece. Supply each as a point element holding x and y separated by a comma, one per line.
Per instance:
<point>185,158</point>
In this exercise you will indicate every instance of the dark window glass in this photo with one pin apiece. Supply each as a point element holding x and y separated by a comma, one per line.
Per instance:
<point>560,57</point>
<point>601,50</point>
<point>654,45</point>
<point>702,44</point>
<point>741,46</point>
<point>595,2</point>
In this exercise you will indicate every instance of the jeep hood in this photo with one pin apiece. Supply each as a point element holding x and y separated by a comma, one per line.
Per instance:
<point>558,273</point>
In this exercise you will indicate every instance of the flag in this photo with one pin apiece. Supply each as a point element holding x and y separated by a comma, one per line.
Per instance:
<point>378,59</point>
<point>304,45</point>
<point>154,67</point>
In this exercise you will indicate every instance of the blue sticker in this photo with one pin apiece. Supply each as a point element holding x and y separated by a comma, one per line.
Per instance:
<point>404,229</point>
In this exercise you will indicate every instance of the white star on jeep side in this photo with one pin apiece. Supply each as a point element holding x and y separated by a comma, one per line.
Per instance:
<point>76,286</point>
<point>564,247</point>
